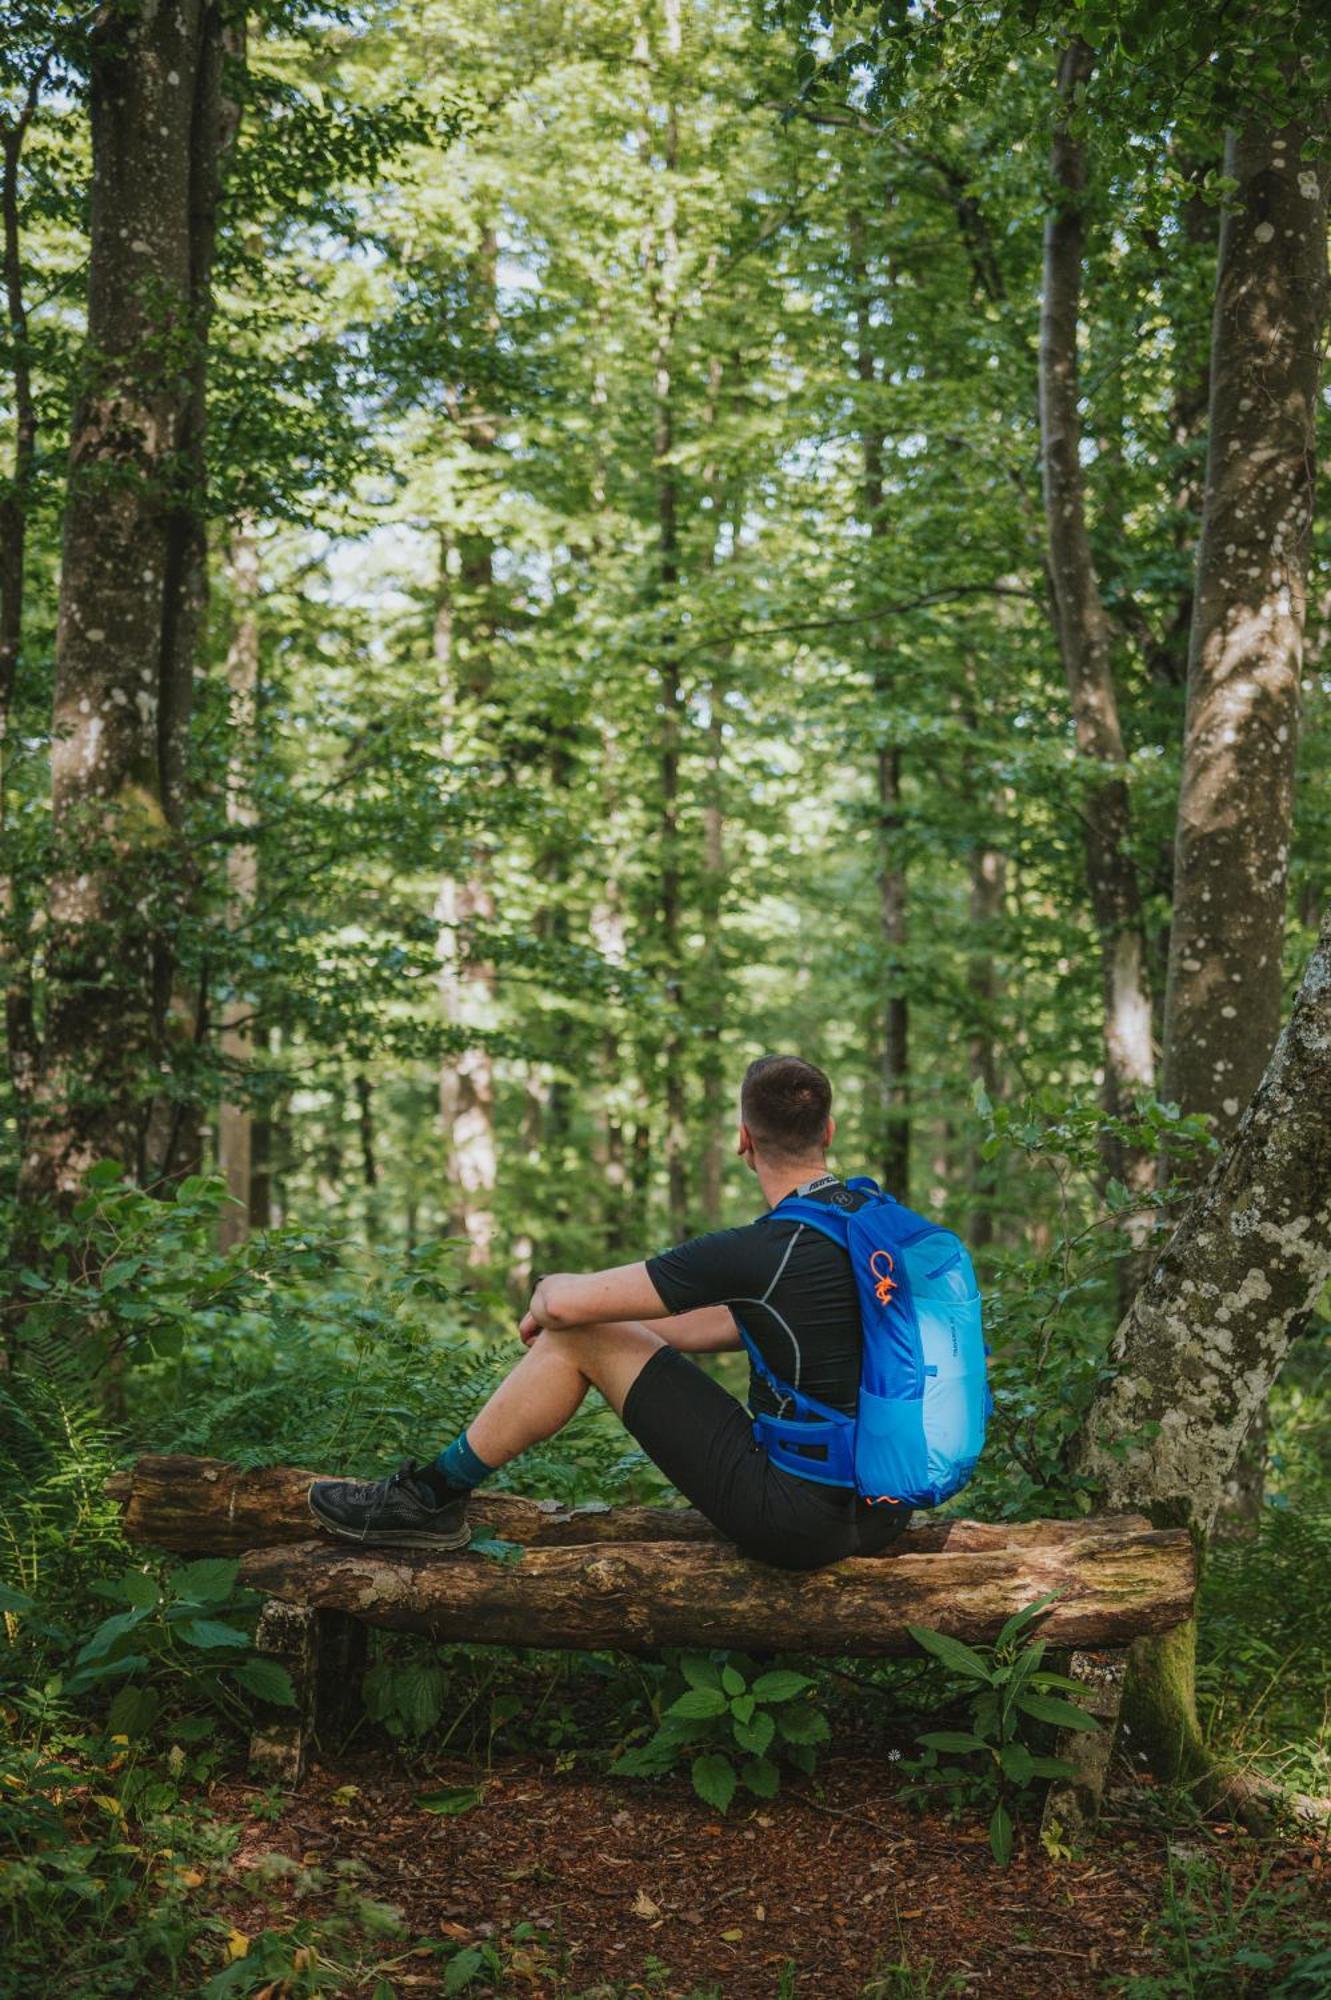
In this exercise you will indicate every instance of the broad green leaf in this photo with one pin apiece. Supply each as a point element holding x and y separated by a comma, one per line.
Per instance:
<point>743,1707</point>
<point>1017,1761</point>
<point>756,1734</point>
<point>14,1600</point>
<point>208,1632</point>
<point>450,1800</point>
<point>107,1633</point>
<point>803,1725</point>
<point>1048,1708</point>
<point>954,1653</point>
<point>697,1704</point>
<point>699,1671</point>
<point>760,1776</point>
<point>139,1590</point>
<point>462,1968</point>
<point>955,1740</point>
<point>267,1679</point>
<point>1052,1767</point>
<point>133,1712</point>
<point>733,1683</point>
<point>209,1581</point>
<point>714,1781</point>
<point>1000,1835</point>
<point>781,1684</point>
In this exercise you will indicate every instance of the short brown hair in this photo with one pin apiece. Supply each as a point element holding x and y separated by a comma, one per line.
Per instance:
<point>786,1103</point>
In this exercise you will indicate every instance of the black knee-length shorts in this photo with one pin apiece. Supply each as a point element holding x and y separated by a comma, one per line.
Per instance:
<point>702,1439</point>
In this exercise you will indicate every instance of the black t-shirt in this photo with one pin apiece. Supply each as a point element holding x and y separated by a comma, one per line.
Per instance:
<point>790,1286</point>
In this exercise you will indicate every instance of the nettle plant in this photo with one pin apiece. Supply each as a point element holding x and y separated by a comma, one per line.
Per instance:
<point>736,1721</point>
<point>1008,1690</point>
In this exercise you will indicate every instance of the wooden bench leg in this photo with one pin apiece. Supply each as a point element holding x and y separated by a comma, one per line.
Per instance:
<point>288,1634</point>
<point>1072,1805</point>
<point>341,1646</point>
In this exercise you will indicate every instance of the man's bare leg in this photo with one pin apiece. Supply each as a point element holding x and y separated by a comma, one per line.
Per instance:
<point>546,1388</point>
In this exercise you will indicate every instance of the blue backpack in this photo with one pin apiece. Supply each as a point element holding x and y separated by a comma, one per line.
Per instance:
<point>924,1385</point>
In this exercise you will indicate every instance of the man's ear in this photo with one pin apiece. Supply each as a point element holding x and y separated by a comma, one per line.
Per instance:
<point>831,1131</point>
<point>744,1144</point>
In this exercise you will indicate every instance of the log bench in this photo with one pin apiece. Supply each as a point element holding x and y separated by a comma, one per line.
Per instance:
<point>637,1578</point>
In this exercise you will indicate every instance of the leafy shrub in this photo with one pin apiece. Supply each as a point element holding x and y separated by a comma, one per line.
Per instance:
<point>1008,1686</point>
<point>734,1721</point>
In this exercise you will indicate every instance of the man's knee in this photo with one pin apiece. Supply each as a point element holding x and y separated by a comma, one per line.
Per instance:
<point>610,1355</point>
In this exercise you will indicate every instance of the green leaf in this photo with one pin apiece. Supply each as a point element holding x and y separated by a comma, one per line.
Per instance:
<point>207,1632</point>
<point>714,1781</point>
<point>760,1776</point>
<point>462,1968</point>
<point>1021,1619</point>
<point>1048,1708</point>
<point>804,1724</point>
<point>952,1739</point>
<point>697,1704</point>
<point>108,1632</point>
<point>699,1671</point>
<point>450,1800</point>
<point>139,1590</point>
<point>1000,1835</point>
<point>756,1734</point>
<point>14,1600</point>
<point>780,1685</point>
<point>743,1707</point>
<point>133,1712</point>
<point>802,1755</point>
<point>1052,1767</point>
<point>954,1653</point>
<point>267,1679</point>
<point>497,1550</point>
<point>733,1682</point>
<point>1017,1761</point>
<point>210,1581</point>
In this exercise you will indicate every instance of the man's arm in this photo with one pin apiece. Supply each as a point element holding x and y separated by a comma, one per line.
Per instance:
<point>591,1298</point>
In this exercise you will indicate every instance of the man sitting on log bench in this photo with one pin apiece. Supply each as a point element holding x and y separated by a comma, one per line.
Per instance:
<point>628,1332</point>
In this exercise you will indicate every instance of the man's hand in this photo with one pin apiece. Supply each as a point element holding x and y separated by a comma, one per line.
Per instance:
<point>528,1327</point>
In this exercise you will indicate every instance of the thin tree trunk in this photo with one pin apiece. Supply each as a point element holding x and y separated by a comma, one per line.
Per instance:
<point>129,592</point>
<point>14,504</point>
<point>893,1027</point>
<point>988,873</point>
<point>234,1119</point>
<point>1084,637</point>
<point>664,255</point>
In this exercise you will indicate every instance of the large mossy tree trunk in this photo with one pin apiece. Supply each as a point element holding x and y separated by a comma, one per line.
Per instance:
<point>1236,803</point>
<point>130,597</point>
<point>1198,1350</point>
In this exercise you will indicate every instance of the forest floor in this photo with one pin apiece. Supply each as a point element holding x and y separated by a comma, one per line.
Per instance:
<point>630,1888</point>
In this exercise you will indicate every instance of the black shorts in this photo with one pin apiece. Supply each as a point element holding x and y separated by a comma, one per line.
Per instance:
<point>702,1439</point>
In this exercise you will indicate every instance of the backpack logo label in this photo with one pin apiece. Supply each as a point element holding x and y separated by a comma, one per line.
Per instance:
<point>882,1265</point>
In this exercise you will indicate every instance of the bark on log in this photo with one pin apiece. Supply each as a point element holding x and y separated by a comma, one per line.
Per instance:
<point>635,1595</point>
<point>204,1506</point>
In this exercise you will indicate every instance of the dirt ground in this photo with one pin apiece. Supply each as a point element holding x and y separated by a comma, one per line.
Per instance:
<point>839,1882</point>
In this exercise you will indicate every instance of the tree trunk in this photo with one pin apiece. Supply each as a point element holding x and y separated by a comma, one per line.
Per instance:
<point>1084,636</point>
<point>1207,1332</point>
<point>1236,806</point>
<point>663,249</point>
<point>235,1157</point>
<point>988,872</point>
<point>466,985</point>
<point>129,595</point>
<point>1223,1005</point>
<point>893,1026</point>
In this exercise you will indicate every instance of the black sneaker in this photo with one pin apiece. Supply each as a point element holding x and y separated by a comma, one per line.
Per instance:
<point>400,1510</point>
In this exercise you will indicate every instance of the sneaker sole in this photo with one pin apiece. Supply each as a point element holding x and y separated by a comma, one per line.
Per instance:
<point>397,1538</point>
